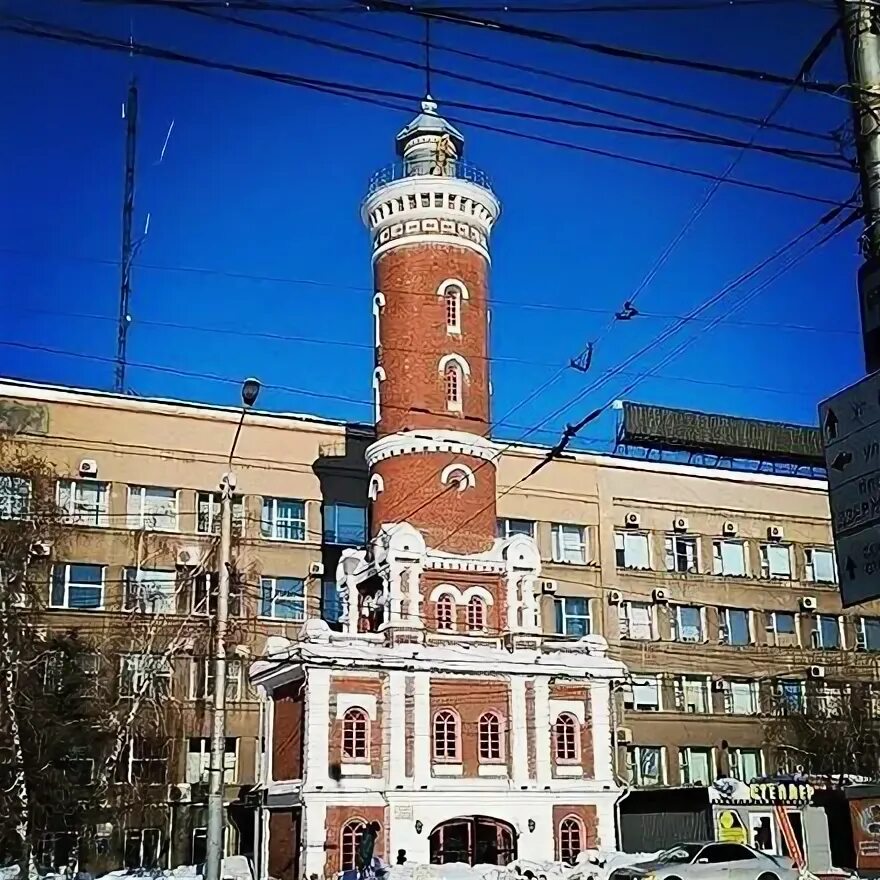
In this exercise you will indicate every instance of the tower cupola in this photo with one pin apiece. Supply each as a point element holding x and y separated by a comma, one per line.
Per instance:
<point>429,143</point>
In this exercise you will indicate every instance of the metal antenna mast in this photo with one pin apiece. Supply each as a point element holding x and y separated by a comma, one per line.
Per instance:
<point>129,114</point>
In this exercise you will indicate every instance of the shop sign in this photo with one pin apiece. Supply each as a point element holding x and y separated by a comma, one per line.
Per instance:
<point>781,792</point>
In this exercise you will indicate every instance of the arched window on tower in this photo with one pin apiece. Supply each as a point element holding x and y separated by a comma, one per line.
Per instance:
<point>355,735</point>
<point>447,736</point>
<point>476,614</point>
<point>571,839</point>
<point>349,840</point>
<point>452,381</point>
<point>452,307</point>
<point>445,608</point>
<point>491,737</point>
<point>566,744</point>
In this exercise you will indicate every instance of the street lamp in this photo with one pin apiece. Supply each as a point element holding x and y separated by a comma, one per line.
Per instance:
<point>250,390</point>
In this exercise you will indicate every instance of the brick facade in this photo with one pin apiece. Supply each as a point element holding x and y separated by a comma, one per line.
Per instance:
<point>587,815</point>
<point>579,695</point>
<point>371,687</point>
<point>284,832</point>
<point>337,818</point>
<point>287,740</point>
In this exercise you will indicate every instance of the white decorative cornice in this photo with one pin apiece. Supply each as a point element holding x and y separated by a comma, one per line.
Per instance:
<point>428,441</point>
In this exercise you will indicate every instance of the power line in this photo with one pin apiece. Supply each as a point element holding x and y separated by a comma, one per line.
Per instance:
<point>575,80</point>
<point>671,132</point>
<point>361,94</point>
<point>487,24</point>
<point>284,279</point>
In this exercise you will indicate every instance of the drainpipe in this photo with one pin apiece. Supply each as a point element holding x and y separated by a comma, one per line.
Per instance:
<point>615,755</point>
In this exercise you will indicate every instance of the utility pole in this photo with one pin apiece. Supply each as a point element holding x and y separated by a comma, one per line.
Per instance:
<point>217,769</point>
<point>862,53</point>
<point>129,114</point>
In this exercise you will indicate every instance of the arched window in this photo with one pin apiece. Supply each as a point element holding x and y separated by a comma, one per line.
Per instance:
<point>452,307</point>
<point>566,744</point>
<point>445,607</point>
<point>491,739</point>
<point>571,839</point>
<point>446,736</point>
<point>452,380</point>
<point>476,614</point>
<point>355,735</point>
<point>349,840</point>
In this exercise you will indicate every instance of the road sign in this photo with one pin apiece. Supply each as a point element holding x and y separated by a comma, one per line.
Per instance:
<point>850,423</point>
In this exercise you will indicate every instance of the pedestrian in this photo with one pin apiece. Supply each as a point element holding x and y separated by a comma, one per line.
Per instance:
<point>366,846</point>
<point>401,857</point>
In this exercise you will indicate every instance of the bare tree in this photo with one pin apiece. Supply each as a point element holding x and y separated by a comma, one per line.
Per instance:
<point>830,728</point>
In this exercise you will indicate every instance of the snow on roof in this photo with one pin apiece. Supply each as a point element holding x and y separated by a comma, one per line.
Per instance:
<point>584,658</point>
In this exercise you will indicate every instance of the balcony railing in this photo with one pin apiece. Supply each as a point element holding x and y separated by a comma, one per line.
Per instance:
<point>428,168</point>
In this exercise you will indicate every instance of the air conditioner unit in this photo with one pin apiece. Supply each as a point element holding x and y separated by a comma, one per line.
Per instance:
<point>729,528</point>
<point>808,603</point>
<point>624,735</point>
<point>632,520</point>
<point>88,467</point>
<point>775,533</point>
<point>188,556</point>
<point>816,672</point>
<point>719,685</point>
<point>316,569</point>
<point>861,642</point>
<point>548,586</point>
<point>660,596</point>
<point>179,793</point>
<point>41,549</point>
<point>680,524</point>
<point>615,597</point>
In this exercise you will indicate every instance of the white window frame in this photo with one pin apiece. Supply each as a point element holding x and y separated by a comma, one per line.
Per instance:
<point>272,502</point>
<point>213,513</point>
<point>163,671</point>
<point>579,546</point>
<point>68,583</point>
<point>773,631</point>
<point>670,548</point>
<point>78,513</point>
<point>817,641</point>
<point>633,762</point>
<point>753,695</point>
<point>201,679</point>
<point>779,690</point>
<point>643,680</point>
<point>621,536</point>
<point>862,634</point>
<point>624,617</point>
<point>140,832</point>
<point>735,754</point>
<point>11,499</point>
<point>137,518</point>
<point>810,565</point>
<point>766,572</point>
<point>680,688</point>
<point>141,580</point>
<point>685,753</point>
<point>460,297</point>
<point>271,581</point>
<point>676,625</point>
<point>504,531</point>
<point>724,627</point>
<point>718,557</point>
<point>560,612</point>
<point>198,762</point>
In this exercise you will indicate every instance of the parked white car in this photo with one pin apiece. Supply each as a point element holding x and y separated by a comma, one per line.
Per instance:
<point>710,861</point>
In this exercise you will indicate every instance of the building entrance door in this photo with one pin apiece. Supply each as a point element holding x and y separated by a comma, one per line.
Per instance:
<point>474,840</point>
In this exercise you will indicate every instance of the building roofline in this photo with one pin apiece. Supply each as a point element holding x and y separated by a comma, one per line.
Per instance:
<point>39,391</point>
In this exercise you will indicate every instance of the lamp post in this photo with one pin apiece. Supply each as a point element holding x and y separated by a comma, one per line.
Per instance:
<point>250,390</point>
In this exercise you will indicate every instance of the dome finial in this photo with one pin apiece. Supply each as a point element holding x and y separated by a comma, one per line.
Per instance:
<point>429,105</point>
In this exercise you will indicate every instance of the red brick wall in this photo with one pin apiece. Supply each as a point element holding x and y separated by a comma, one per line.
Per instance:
<point>337,817</point>
<point>287,732</point>
<point>581,695</point>
<point>284,844</point>
<point>450,520</point>
<point>496,613</point>
<point>587,815</point>
<point>413,338</point>
<point>355,685</point>
<point>530,729</point>
<point>471,698</point>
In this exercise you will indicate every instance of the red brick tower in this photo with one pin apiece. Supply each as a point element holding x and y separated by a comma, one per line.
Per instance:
<point>430,217</point>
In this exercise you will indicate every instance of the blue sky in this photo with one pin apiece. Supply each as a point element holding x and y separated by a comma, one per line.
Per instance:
<point>261,184</point>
